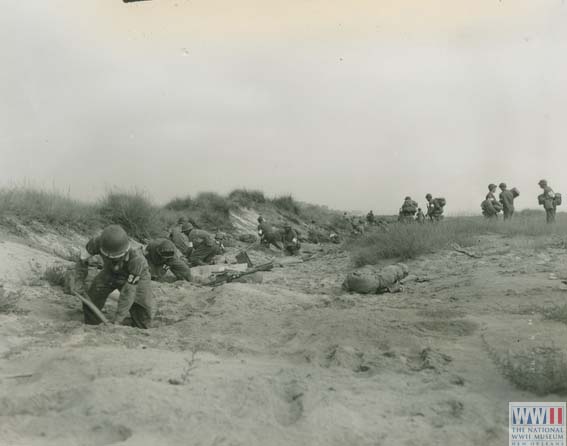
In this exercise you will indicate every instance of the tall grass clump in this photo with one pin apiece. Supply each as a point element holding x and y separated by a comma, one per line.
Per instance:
<point>208,210</point>
<point>51,207</point>
<point>133,211</point>
<point>286,203</point>
<point>247,198</point>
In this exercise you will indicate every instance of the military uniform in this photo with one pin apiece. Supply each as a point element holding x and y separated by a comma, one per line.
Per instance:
<point>204,247</point>
<point>180,240</point>
<point>131,276</point>
<point>291,241</point>
<point>507,201</point>
<point>435,208</point>
<point>162,257</point>
<point>268,235</point>
<point>549,204</point>
<point>408,210</point>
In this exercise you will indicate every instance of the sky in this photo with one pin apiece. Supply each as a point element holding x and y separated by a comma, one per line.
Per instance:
<point>349,104</point>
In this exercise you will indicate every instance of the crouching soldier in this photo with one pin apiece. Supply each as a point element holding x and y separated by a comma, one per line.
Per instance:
<point>124,269</point>
<point>268,235</point>
<point>290,240</point>
<point>203,246</point>
<point>163,257</point>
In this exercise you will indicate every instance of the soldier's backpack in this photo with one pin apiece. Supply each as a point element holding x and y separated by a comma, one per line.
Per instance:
<point>441,201</point>
<point>558,199</point>
<point>487,207</point>
<point>541,199</point>
<point>409,207</point>
<point>515,192</point>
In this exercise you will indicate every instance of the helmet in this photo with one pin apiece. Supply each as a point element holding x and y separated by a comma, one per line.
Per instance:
<point>407,198</point>
<point>491,186</point>
<point>114,242</point>
<point>260,219</point>
<point>287,226</point>
<point>429,196</point>
<point>542,182</point>
<point>182,220</point>
<point>186,227</point>
<point>502,185</point>
<point>166,249</point>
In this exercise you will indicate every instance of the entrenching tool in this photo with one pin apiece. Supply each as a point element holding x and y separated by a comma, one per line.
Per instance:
<point>93,308</point>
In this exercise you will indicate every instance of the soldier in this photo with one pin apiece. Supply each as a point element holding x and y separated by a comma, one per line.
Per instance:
<point>290,240</point>
<point>435,207</point>
<point>420,217</point>
<point>162,257</point>
<point>491,195</point>
<point>507,201</point>
<point>203,246</point>
<point>370,218</point>
<point>268,235</point>
<point>547,199</point>
<point>408,210</point>
<point>124,269</point>
<point>179,239</point>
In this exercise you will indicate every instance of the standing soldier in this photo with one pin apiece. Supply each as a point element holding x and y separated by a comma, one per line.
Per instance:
<point>435,207</point>
<point>290,240</point>
<point>420,217</point>
<point>370,218</point>
<point>124,269</point>
<point>203,246</point>
<point>507,201</point>
<point>162,257</point>
<point>548,200</point>
<point>408,210</point>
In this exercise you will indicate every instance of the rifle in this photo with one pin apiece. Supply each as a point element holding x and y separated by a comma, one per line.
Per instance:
<point>228,276</point>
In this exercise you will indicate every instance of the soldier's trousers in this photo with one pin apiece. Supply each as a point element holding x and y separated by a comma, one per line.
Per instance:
<point>203,254</point>
<point>105,283</point>
<point>550,215</point>
<point>508,213</point>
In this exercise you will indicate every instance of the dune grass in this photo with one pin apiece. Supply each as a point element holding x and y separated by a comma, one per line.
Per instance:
<point>51,207</point>
<point>407,241</point>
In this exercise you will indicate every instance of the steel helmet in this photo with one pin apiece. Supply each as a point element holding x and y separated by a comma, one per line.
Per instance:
<point>502,186</point>
<point>407,198</point>
<point>186,227</point>
<point>542,182</point>
<point>260,219</point>
<point>429,196</point>
<point>491,186</point>
<point>287,226</point>
<point>166,249</point>
<point>182,220</point>
<point>114,242</point>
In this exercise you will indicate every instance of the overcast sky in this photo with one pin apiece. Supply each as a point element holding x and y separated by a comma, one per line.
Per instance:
<point>351,104</point>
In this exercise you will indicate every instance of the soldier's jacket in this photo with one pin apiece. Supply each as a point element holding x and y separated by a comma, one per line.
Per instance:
<point>490,196</point>
<point>507,199</point>
<point>265,229</point>
<point>199,237</point>
<point>131,268</point>
<point>180,240</point>
<point>290,237</point>
<point>160,262</point>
